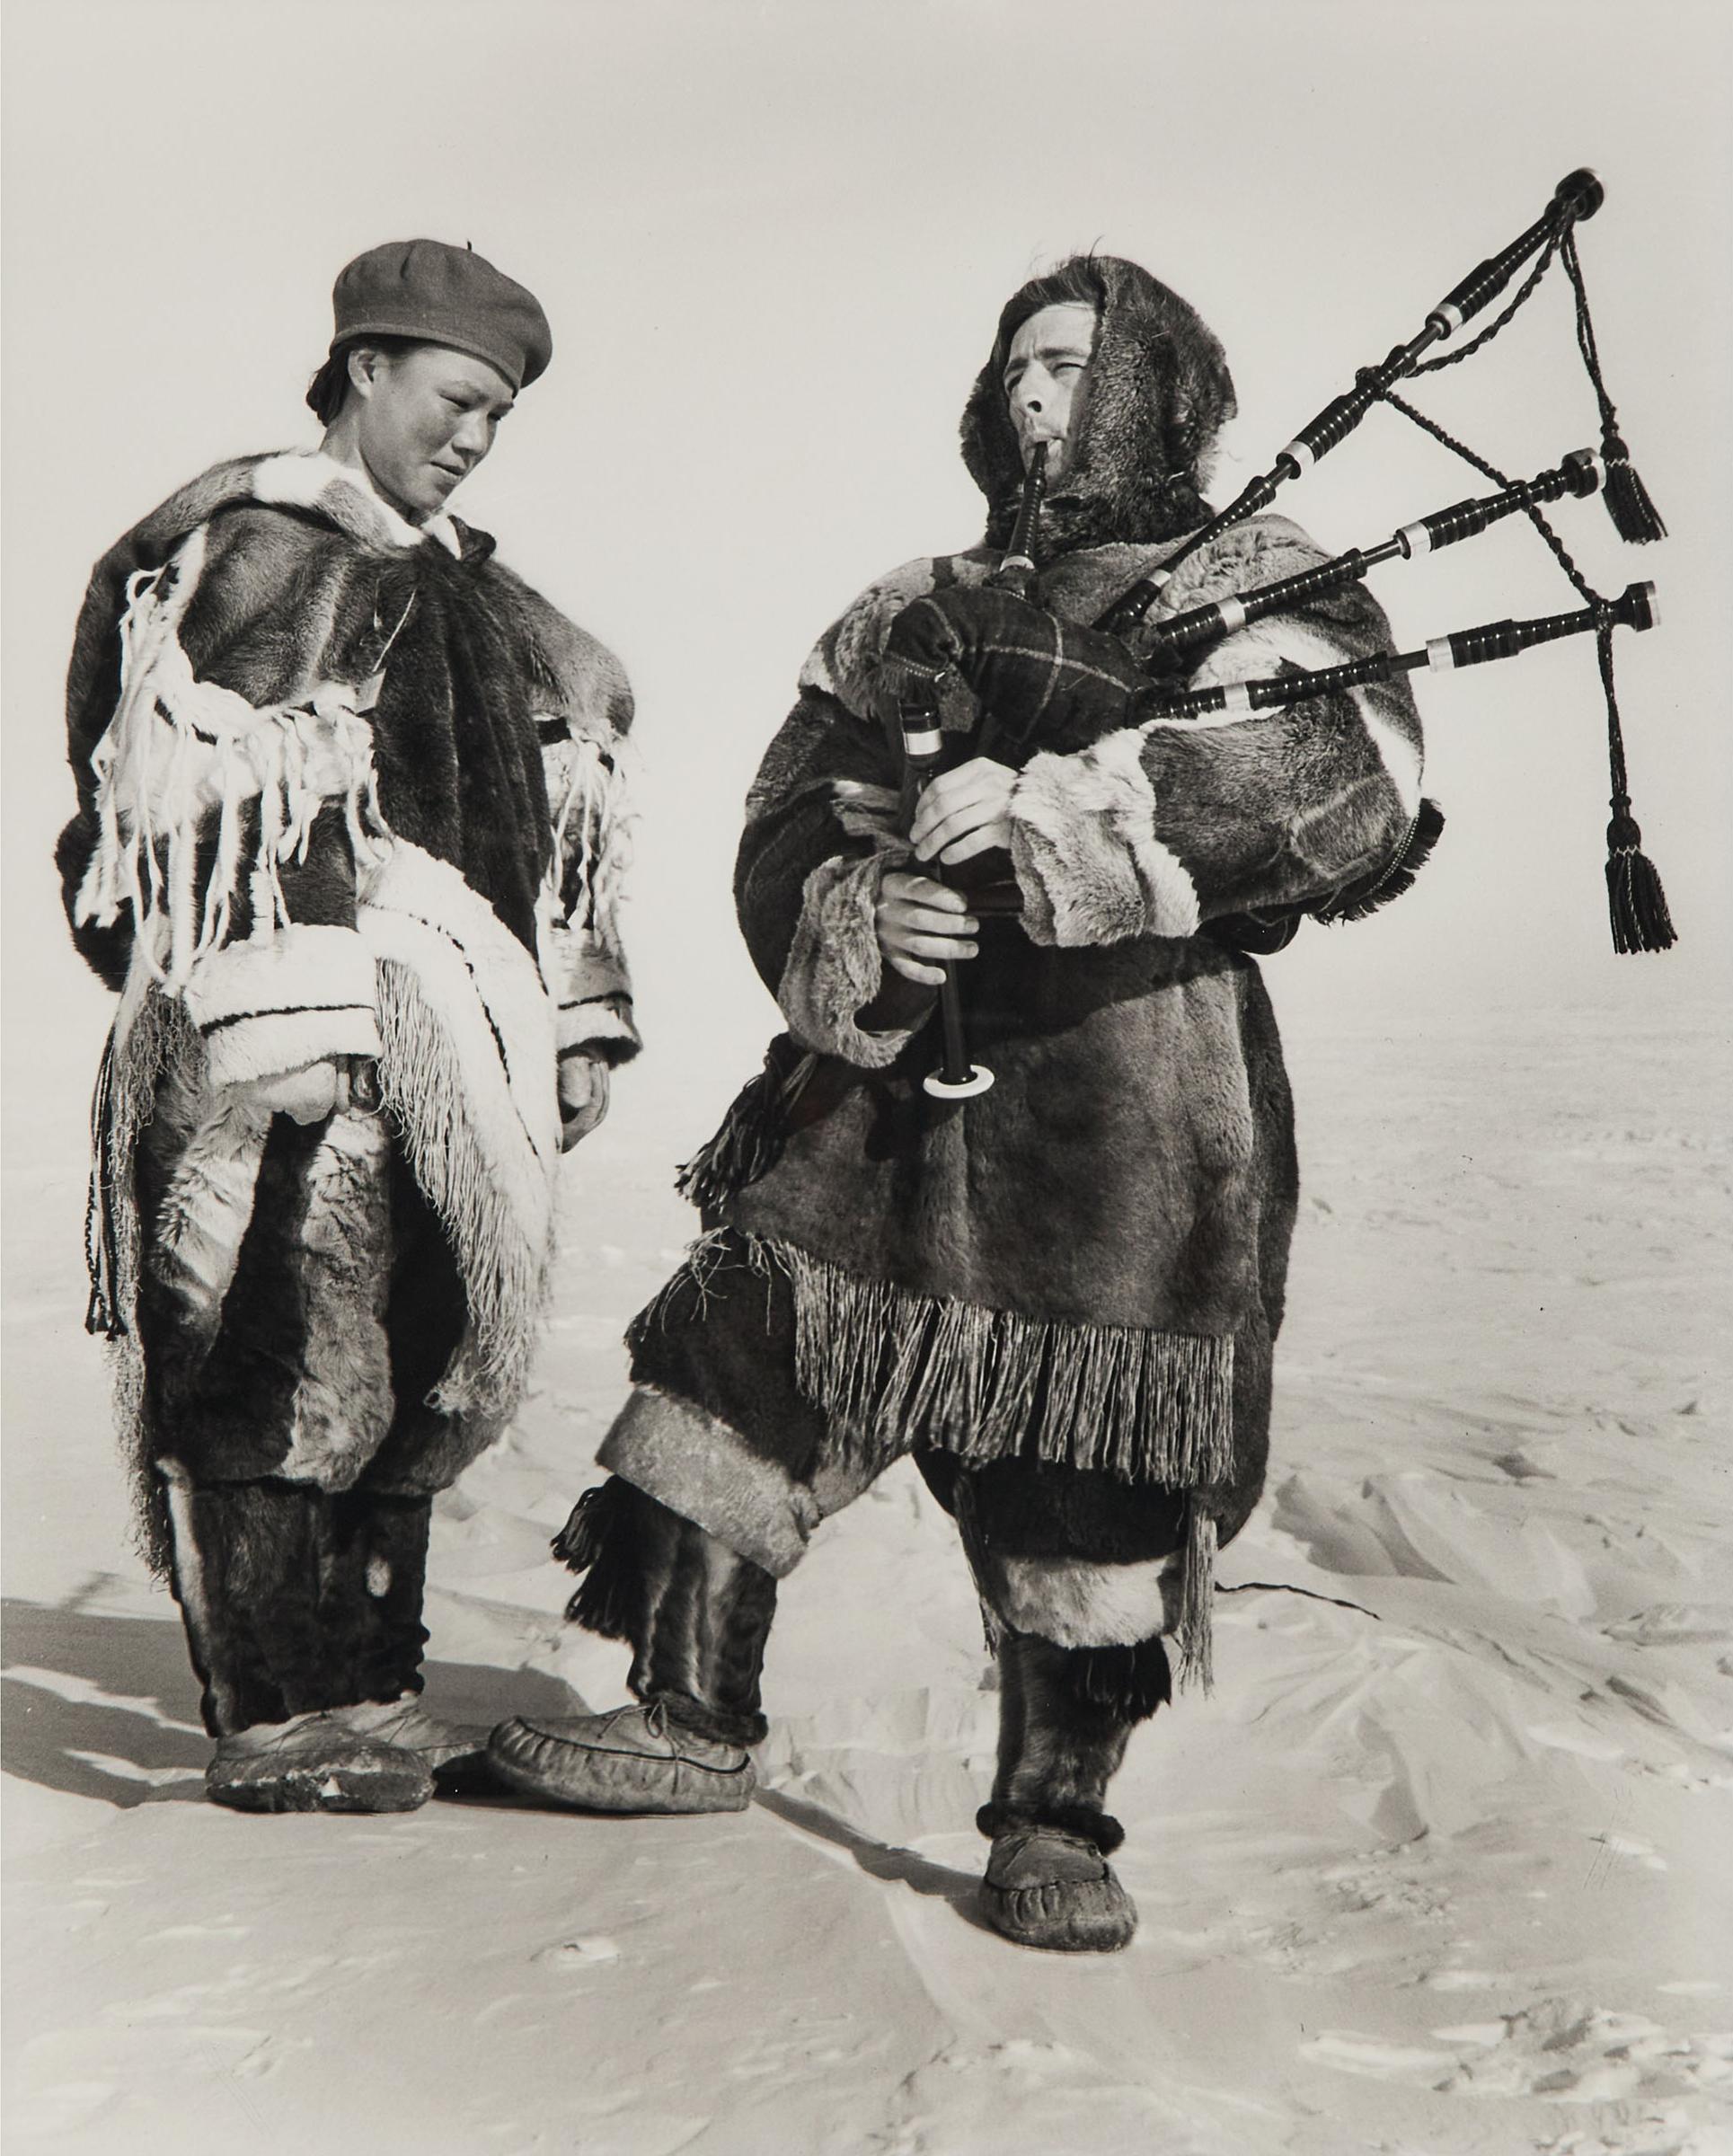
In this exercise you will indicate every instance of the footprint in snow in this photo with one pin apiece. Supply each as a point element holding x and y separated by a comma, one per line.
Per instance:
<point>579,1953</point>
<point>1561,2049</point>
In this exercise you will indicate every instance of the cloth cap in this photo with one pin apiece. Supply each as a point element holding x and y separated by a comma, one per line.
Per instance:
<point>442,295</point>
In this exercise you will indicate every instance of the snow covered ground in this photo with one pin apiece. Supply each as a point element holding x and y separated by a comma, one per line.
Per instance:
<point>1441,1867</point>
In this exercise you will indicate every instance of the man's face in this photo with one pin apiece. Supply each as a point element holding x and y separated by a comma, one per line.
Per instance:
<point>1045,369</point>
<point>426,419</point>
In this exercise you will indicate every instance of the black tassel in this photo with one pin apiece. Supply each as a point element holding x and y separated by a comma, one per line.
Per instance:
<point>1634,516</point>
<point>1367,896</point>
<point>749,1140</point>
<point>600,1540</point>
<point>1635,899</point>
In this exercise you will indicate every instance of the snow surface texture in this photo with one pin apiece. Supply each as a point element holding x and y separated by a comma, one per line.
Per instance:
<point>1440,1867</point>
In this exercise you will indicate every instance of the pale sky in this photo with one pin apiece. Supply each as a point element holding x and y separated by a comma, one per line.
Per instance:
<point>772,240</point>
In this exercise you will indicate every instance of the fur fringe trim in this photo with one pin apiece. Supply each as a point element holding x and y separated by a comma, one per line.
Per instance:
<point>1365,897</point>
<point>593,820</point>
<point>504,1268</point>
<point>600,1540</point>
<point>1149,1407</point>
<point>1133,1682</point>
<point>748,1142</point>
<point>182,758</point>
<point>895,1369</point>
<point>150,1033</point>
<point>1194,1633</point>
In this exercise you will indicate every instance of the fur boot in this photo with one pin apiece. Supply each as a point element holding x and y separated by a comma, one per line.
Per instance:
<point>698,1618</point>
<point>295,1599</point>
<point>1065,1717</point>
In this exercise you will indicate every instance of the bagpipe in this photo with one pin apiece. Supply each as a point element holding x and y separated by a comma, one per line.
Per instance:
<point>924,645</point>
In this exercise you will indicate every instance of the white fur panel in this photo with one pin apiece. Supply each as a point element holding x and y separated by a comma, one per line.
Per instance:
<point>309,965</point>
<point>467,1068</point>
<point>305,479</point>
<point>698,1466</point>
<point>1260,650</point>
<point>487,994</point>
<point>1076,1604</point>
<point>1084,844</point>
<point>284,1001</point>
<point>835,966</point>
<point>344,1400</point>
<point>204,1213</point>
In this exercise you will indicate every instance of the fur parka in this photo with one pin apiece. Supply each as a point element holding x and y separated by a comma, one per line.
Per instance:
<point>347,788</point>
<point>1085,1267</point>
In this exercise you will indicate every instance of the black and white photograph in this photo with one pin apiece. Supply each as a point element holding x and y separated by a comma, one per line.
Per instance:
<point>868,1013</point>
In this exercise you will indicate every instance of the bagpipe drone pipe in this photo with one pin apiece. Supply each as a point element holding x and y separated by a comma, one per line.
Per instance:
<point>955,681</point>
<point>1004,633</point>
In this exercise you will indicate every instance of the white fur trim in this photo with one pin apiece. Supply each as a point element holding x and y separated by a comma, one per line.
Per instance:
<point>590,1024</point>
<point>206,1209</point>
<point>700,1467</point>
<point>1076,1604</point>
<point>835,968</point>
<point>272,1043</point>
<point>180,763</point>
<point>1260,650</point>
<point>302,480</point>
<point>343,1401</point>
<point>279,1004</point>
<point>467,1065</point>
<point>1084,844</point>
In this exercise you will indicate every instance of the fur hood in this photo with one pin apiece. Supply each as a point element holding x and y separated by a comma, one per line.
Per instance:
<point>1157,395</point>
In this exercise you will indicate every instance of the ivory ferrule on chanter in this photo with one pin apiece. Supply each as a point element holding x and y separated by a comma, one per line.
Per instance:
<point>1578,195</point>
<point>1577,474</point>
<point>1636,608</point>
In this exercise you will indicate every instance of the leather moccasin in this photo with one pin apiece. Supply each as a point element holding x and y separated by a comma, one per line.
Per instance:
<point>1047,1888</point>
<point>636,1759</point>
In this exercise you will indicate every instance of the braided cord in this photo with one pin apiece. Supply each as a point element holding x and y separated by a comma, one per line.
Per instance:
<point>1620,801</point>
<point>1523,292</point>
<point>1560,552</point>
<point>1585,335</point>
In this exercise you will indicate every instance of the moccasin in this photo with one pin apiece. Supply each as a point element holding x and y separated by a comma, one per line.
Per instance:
<point>1047,1888</point>
<point>636,1759</point>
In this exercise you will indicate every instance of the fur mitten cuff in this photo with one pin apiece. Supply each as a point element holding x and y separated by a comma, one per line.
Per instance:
<point>835,968</point>
<point>1084,844</point>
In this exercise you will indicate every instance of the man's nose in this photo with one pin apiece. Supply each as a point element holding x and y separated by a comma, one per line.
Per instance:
<point>1033,388</point>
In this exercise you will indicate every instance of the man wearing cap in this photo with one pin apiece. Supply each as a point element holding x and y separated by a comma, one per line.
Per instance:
<point>347,848</point>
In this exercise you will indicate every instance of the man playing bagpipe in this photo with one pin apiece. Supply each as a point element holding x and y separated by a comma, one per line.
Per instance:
<point>1059,1295</point>
<point>347,849</point>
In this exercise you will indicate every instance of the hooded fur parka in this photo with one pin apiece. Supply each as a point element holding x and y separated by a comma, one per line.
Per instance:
<point>1081,1269</point>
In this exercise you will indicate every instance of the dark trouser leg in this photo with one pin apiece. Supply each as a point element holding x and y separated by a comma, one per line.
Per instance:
<point>697,1617</point>
<point>295,1599</point>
